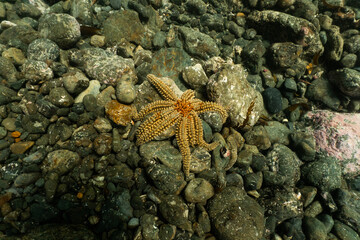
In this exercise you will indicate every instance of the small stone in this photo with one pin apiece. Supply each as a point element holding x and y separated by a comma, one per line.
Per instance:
<point>75,82</point>
<point>259,137</point>
<point>195,76</point>
<point>43,49</point>
<point>120,114</point>
<point>26,179</point>
<point>93,88</point>
<point>9,124</point>
<point>198,190</point>
<point>36,71</point>
<point>61,28</point>
<point>175,211</point>
<point>60,97</point>
<point>97,40</point>
<point>102,125</point>
<point>21,147</point>
<point>272,100</point>
<point>103,143</point>
<point>15,55</point>
<point>61,161</point>
<point>125,92</point>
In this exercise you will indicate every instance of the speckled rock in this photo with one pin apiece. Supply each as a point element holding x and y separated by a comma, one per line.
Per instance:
<point>61,28</point>
<point>175,211</point>
<point>198,190</point>
<point>284,167</point>
<point>298,29</point>
<point>102,125</point>
<point>35,71</point>
<point>195,76</point>
<point>7,69</point>
<point>347,80</point>
<point>230,88</point>
<point>104,66</point>
<point>198,44</point>
<point>15,55</point>
<point>81,10</point>
<point>60,97</point>
<point>93,89</point>
<point>233,207</point>
<point>119,113</point>
<point>324,173</point>
<point>60,161</point>
<point>35,123</point>
<point>337,134</point>
<point>117,27</point>
<point>102,144</point>
<point>43,49</point>
<point>321,90</point>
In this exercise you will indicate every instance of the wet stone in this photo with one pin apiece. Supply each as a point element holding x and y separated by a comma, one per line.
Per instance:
<point>21,147</point>
<point>6,95</point>
<point>314,229</point>
<point>60,97</point>
<point>7,69</point>
<point>102,143</point>
<point>102,125</point>
<point>149,225</point>
<point>198,190</point>
<point>125,92</point>
<point>9,124</point>
<point>198,44</point>
<point>233,207</point>
<point>26,179</point>
<point>272,100</point>
<point>195,76</point>
<point>175,211</point>
<point>35,157</point>
<point>324,173</point>
<point>3,132</point>
<point>22,33</point>
<point>61,161</point>
<point>284,167</point>
<point>43,49</point>
<point>321,90</point>
<point>43,212</point>
<point>348,81</point>
<point>259,137</point>
<point>61,28</point>
<point>343,231</point>
<point>121,174</point>
<point>277,132</point>
<point>166,179</point>
<point>252,54</point>
<point>35,71</point>
<point>15,55</point>
<point>75,82</point>
<point>119,113</point>
<point>35,123</point>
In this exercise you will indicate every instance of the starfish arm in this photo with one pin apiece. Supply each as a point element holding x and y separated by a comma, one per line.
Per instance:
<point>154,107</point>
<point>211,107</point>
<point>155,125</point>
<point>199,133</point>
<point>162,88</point>
<point>182,140</point>
<point>188,94</point>
<point>192,129</point>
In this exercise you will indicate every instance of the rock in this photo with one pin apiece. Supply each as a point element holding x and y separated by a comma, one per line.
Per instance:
<point>233,207</point>
<point>7,70</point>
<point>60,97</point>
<point>324,173</point>
<point>198,190</point>
<point>272,100</point>
<point>92,89</point>
<point>102,125</point>
<point>166,179</point>
<point>15,55</point>
<point>24,33</point>
<point>347,80</point>
<point>125,24</point>
<point>102,144</point>
<point>75,82</point>
<point>26,179</point>
<point>195,76</point>
<point>337,135</point>
<point>9,124</point>
<point>258,136</point>
<point>125,92</point>
<point>149,226</point>
<point>43,212</point>
<point>36,71</point>
<point>21,147</point>
<point>277,132</point>
<point>321,90</point>
<point>343,231</point>
<point>105,67</point>
<point>199,44</point>
<point>297,29</point>
<point>252,54</point>
<point>196,6</point>
<point>61,161</point>
<point>284,167</point>
<point>314,229</point>
<point>43,49</point>
<point>61,28</point>
<point>175,211</point>
<point>230,88</point>
<point>82,11</point>
<point>285,54</point>
<point>35,123</point>
<point>120,114</point>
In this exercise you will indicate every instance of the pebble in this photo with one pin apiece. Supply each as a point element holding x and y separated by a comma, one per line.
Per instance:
<point>175,211</point>
<point>16,56</point>
<point>125,92</point>
<point>195,76</point>
<point>9,124</point>
<point>75,82</point>
<point>93,89</point>
<point>21,147</point>
<point>120,114</point>
<point>26,179</point>
<point>36,71</point>
<point>43,49</point>
<point>198,190</point>
<point>60,161</point>
<point>272,100</point>
<point>60,97</point>
<point>347,80</point>
<point>61,28</point>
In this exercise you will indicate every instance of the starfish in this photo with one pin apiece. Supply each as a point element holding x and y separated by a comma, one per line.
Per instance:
<point>182,112</point>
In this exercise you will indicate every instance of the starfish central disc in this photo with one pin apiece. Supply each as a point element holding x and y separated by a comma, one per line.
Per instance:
<point>183,107</point>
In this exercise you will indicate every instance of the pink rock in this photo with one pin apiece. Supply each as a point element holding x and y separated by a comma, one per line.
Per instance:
<point>338,134</point>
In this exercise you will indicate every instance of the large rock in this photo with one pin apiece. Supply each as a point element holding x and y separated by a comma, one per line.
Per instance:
<point>236,216</point>
<point>230,88</point>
